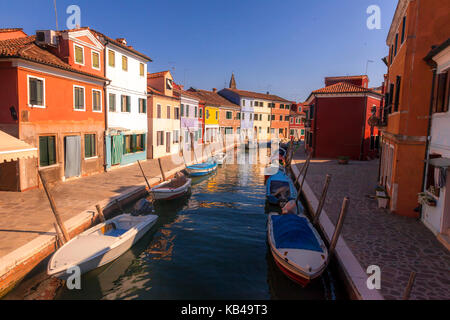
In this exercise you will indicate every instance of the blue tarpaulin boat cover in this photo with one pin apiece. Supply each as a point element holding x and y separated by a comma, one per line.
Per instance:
<point>291,231</point>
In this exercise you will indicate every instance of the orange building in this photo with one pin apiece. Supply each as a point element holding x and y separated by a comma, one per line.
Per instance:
<point>416,27</point>
<point>54,103</point>
<point>280,115</point>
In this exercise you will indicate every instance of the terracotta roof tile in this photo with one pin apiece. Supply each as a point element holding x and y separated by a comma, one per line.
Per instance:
<point>157,74</point>
<point>343,87</point>
<point>10,29</point>
<point>26,48</point>
<point>212,98</point>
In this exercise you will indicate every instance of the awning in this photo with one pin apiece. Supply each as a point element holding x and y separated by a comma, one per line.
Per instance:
<point>12,149</point>
<point>440,162</point>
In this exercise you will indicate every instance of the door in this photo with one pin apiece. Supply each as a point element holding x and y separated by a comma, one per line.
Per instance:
<point>72,156</point>
<point>116,149</point>
<point>168,142</point>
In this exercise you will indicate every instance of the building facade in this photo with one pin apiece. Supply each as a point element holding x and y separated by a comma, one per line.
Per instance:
<point>297,122</point>
<point>416,27</point>
<point>126,100</point>
<point>338,119</point>
<point>52,98</point>
<point>164,122</point>
<point>191,127</point>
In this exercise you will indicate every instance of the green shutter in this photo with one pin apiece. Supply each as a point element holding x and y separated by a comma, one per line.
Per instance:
<point>51,151</point>
<point>43,151</point>
<point>128,104</point>
<point>33,93</point>
<point>39,93</point>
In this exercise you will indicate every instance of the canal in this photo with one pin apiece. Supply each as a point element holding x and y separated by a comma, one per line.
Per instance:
<point>210,244</point>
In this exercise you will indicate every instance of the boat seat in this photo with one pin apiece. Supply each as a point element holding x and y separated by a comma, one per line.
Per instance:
<point>108,227</point>
<point>115,232</point>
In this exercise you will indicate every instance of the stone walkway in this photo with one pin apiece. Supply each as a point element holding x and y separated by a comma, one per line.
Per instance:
<point>398,245</point>
<point>26,215</point>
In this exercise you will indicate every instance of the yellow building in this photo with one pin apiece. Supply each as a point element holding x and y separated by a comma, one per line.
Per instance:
<point>212,115</point>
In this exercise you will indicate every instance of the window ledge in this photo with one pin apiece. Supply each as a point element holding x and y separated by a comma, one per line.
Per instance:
<point>91,158</point>
<point>36,106</point>
<point>75,109</point>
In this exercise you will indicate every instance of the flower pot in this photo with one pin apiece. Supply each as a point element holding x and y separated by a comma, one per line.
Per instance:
<point>382,202</point>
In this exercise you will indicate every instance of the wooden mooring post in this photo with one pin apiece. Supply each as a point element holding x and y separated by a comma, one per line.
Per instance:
<point>54,209</point>
<point>338,229</point>
<point>322,200</point>
<point>100,213</point>
<point>303,180</point>
<point>60,236</point>
<point>302,169</point>
<point>407,293</point>
<point>143,174</point>
<point>161,169</point>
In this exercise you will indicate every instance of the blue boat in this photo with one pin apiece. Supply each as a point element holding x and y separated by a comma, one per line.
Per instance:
<point>202,169</point>
<point>280,187</point>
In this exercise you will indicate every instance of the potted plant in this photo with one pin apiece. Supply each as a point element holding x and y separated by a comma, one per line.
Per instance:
<point>426,199</point>
<point>343,159</point>
<point>383,199</point>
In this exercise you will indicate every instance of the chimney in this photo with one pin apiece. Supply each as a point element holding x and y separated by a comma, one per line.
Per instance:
<point>214,90</point>
<point>267,92</point>
<point>122,41</point>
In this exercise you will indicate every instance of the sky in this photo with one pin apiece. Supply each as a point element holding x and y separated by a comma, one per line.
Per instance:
<point>284,47</point>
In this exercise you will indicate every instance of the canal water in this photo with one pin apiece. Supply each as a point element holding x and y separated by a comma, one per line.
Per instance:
<point>210,244</point>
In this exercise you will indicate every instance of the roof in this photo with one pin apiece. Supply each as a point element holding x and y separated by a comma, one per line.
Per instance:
<point>346,77</point>
<point>212,98</point>
<point>26,48</point>
<point>257,95</point>
<point>157,74</point>
<point>153,90</point>
<point>10,29</point>
<point>12,149</point>
<point>436,50</point>
<point>179,91</point>
<point>111,40</point>
<point>344,87</point>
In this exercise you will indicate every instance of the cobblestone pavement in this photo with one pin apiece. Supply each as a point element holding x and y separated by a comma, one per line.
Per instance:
<point>398,245</point>
<point>26,215</point>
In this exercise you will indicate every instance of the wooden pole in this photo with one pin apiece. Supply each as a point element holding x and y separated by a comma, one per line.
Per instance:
<point>338,229</point>
<point>161,169</point>
<point>100,213</point>
<point>142,170</point>
<point>303,180</point>
<point>302,169</point>
<point>322,199</point>
<point>54,209</point>
<point>407,293</point>
<point>60,238</point>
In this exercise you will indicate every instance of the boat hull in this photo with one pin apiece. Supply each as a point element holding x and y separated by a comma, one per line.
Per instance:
<point>169,194</point>
<point>197,172</point>
<point>105,258</point>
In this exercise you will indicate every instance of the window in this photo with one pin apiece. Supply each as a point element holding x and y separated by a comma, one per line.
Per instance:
<point>78,93</point>
<point>273,117</point>
<point>292,120</point>
<point>250,116</point>
<point>286,118</point>
<point>111,58</point>
<point>79,54</point>
<point>217,115</point>
<point>397,93</point>
<point>89,146</point>
<point>260,117</point>
<point>176,136</point>
<point>200,113</point>
<point>187,111</point>
<point>36,92</point>
<point>47,151</point>
<point>207,114</point>
<point>287,107</point>
<point>302,132</point>
<point>141,69</point>
<point>112,102</point>
<point>281,118</point>
<point>182,110</point>
<point>169,84</point>
<point>158,111</point>
<point>403,29</point>
<point>142,105</point>
<point>441,101</point>
<point>199,133</point>
<point>238,116</point>
<point>125,105</point>
<point>229,115</point>
<point>243,103</point>
<point>291,132</point>
<point>95,60</point>
<point>124,63</point>
<point>160,138</point>
<point>195,112</point>
<point>243,116</point>
<point>168,112</point>
<point>392,53</point>
<point>96,100</point>
<point>396,44</point>
<point>177,113</point>
<point>311,112</point>
<point>134,143</point>
<point>281,106</point>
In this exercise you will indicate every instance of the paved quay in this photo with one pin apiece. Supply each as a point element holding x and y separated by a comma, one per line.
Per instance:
<point>398,245</point>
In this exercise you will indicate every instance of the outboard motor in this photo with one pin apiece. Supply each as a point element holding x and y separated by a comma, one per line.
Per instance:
<point>143,206</point>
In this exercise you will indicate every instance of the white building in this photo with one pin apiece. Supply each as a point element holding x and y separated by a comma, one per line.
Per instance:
<point>126,101</point>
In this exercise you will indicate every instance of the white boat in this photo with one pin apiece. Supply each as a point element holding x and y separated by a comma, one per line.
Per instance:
<point>171,189</point>
<point>220,158</point>
<point>296,246</point>
<point>99,245</point>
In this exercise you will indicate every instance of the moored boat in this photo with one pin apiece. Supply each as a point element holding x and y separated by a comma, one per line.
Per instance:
<point>296,246</point>
<point>280,188</point>
<point>172,189</point>
<point>202,169</point>
<point>99,245</point>
<point>220,158</point>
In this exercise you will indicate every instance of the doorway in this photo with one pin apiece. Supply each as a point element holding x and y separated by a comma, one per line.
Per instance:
<point>72,156</point>
<point>168,142</point>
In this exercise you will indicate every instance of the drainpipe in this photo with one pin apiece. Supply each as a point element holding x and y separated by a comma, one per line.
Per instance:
<point>105,164</point>
<point>427,151</point>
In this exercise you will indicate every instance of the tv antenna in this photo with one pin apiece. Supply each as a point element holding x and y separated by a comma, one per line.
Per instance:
<point>56,14</point>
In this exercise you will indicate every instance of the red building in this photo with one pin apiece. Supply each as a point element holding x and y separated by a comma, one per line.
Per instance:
<point>338,119</point>
<point>52,98</point>
<point>297,122</point>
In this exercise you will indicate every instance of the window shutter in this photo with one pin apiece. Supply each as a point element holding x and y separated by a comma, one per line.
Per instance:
<point>51,151</point>
<point>43,151</point>
<point>397,93</point>
<point>128,104</point>
<point>33,91</point>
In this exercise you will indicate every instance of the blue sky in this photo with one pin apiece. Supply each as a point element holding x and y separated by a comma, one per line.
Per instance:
<point>286,47</point>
